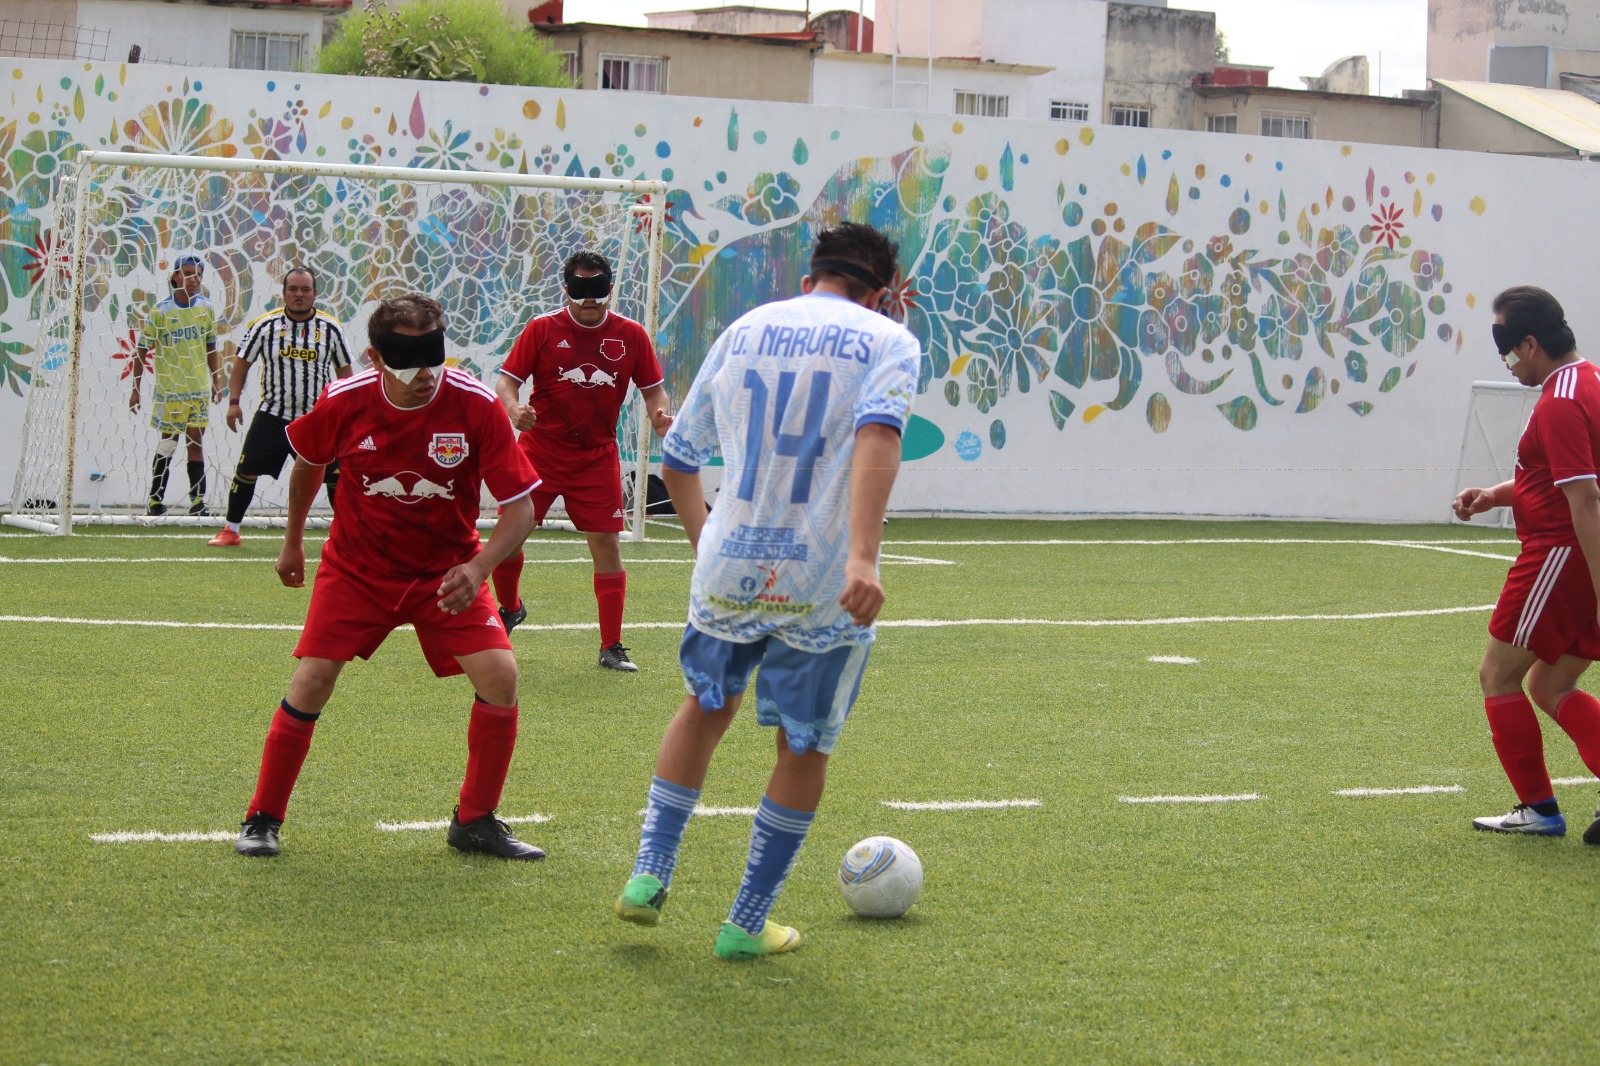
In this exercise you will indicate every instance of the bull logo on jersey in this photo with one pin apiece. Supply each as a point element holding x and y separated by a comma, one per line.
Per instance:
<point>448,449</point>
<point>589,376</point>
<point>613,348</point>
<point>408,487</point>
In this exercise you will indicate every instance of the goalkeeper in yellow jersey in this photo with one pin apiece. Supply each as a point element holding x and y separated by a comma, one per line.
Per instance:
<point>180,342</point>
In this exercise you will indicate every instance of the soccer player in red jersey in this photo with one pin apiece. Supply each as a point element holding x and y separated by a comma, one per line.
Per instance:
<point>579,361</point>
<point>415,441</point>
<point>1544,627</point>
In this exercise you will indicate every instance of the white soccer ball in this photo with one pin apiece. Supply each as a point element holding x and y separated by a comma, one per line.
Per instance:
<point>881,877</point>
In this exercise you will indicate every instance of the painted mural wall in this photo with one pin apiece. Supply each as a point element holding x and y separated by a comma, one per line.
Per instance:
<point>1114,320</point>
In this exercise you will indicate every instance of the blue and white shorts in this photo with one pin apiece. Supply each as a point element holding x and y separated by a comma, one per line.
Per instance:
<point>808,693</point>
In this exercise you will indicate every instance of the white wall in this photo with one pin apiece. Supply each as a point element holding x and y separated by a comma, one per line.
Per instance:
<point>855,79</point>
<point>195,35</point>
<point>1069,35</point>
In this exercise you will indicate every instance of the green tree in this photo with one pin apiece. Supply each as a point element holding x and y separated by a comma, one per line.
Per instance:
<point>441,40</point>
<point>1222,47</point>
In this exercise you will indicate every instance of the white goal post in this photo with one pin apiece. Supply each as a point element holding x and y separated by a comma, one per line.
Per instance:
<point>488,246</point>
<point>1496,417</point>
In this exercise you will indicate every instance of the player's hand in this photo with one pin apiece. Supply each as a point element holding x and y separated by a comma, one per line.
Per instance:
<point>522,418</point>
<point>1469,502</point>
<point>660,421</point>
<point>235,417</point>
<point>291,565</point>
<point>133,402</point>
<point>459,588</point>
<point>863,594</point>
<point>218,391</point>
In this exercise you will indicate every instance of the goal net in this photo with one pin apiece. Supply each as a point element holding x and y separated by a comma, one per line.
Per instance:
<point>1498,413</point>
<point>489,247</point>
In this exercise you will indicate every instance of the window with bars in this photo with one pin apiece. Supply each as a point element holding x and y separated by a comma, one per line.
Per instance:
<point>1222,123</point>
<point>634,74</point>
<point>1286,124</point>
<point>267,51</point>
<point>1130,115</point>
<point>1068,111</point>
<point>989,105</point>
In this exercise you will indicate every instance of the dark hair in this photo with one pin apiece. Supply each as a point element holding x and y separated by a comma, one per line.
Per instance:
<point>1533,312</point>
<point>413,310</point>
<point>859,245</point>
<point>584,261</point>
<point>307,271</point>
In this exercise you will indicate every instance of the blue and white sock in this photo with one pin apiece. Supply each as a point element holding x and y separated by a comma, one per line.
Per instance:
<point>665,816</point>
<point>775,840</point>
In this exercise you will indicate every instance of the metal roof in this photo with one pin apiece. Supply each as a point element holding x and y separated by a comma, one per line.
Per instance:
<point>1567,117</point>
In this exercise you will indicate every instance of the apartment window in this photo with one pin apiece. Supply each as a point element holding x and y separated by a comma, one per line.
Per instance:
<point>1222,123</point>
<point>634,74</point>
<point>1286,124</point>
<point>1067,111</point>
<point>1130,115</point>
<point>267,51</point>
<point>571,67</point>
<point>987,104</point>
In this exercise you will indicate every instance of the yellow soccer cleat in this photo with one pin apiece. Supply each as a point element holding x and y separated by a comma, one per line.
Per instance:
<point>735,944</point>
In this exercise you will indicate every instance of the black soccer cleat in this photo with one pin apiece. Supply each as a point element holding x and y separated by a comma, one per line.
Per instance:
<point>258,836</point>
<point>1591,835</point>
<point>616,658</point>
<point>513,619</point>
<point>198,509</point>
<point>490,836</point>
<point>156,509</point>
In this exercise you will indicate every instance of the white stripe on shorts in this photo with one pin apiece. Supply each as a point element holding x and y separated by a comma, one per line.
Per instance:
<point>1549,572</point>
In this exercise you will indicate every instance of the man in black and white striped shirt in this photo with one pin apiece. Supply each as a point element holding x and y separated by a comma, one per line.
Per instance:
<point>300,349</point>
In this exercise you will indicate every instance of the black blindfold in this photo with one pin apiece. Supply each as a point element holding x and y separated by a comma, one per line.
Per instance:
<point>402,352</point>
<point>595,288</point>
<point>1507,336</point>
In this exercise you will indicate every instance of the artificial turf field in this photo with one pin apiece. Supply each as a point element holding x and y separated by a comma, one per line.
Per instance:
<point>1014,663</point>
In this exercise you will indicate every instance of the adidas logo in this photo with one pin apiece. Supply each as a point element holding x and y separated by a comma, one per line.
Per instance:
<point>563,344</point>
<point>492,623</point>
<point>619,514</point>
<point>366,445</point>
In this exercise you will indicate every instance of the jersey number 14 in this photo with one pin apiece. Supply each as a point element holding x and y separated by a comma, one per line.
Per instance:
<point>804,447</point>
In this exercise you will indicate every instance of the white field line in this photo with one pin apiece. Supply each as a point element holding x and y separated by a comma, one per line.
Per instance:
<point>1242,797</point>
<point>960,805</point>
<point>444,823</point>
<point>1422,546</point>
<point>163,838</point>
<point>1175,542</point>
<point>914,560</point>
<point>904,623</point>
<point>1181,660</point>
<point>1418,790</point>
<point>714,812</point>
<point>1575,781</point>
<point>584,561</point>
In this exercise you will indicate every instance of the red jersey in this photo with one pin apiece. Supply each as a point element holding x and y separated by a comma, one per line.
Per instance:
<point>1560,444</point>
<point>409,479</point>
<point>580,376</point>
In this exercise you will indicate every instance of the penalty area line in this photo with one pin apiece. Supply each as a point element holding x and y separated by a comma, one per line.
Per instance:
<point>1242,797</point>
<point>444,823</point>
<point>960,805</point>
<point>217,836</point>
<point>1416,790</point>
<point>1575,780</point>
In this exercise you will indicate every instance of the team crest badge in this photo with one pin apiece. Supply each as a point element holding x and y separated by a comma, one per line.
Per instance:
<point>448,449</point>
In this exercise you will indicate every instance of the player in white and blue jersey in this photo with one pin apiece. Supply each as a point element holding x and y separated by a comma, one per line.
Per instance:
<point>806,400</point>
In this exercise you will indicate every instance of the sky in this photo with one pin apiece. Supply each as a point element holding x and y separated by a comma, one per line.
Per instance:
<point>1295,37</point>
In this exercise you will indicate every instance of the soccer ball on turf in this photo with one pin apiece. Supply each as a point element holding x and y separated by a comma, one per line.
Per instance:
<point>881,877</point>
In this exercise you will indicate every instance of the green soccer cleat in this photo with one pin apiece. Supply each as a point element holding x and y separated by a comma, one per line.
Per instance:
<point>641,900</point>
<point>735,944</point>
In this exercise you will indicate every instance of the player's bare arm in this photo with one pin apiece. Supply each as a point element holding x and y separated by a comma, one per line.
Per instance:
<point>236,379</point>
<point>304,481</point>
<point>659,406</point>
<point>507,389</point>
<point>139,357</point>
<point>1583,496</point>
<point>461,583</point>
<point>1469,502</point>
<point>218,384</point>
<point>689,500</point>
<point>872,472</point>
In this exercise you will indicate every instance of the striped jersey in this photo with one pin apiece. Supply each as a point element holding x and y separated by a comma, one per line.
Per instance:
<point>297,359</point>
<point>781,395</point>
<point>178,338</point>
<point>1560,444</point>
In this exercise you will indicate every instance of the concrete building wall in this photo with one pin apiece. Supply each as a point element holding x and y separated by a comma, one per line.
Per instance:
<point>750,69</point>
<point>1462,34</point>
<point>946,27</point>
<point>1469,126</point>
<point>728,20</point>
<point>1153,55</point>
<point>194,35</point>
<point>1068,35</point>
<point>864,79</point>
<point>1347,119</point>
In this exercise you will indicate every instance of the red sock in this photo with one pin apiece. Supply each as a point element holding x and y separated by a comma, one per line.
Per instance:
<point>491,738</point>
<point>1579,714</point>
<point>288,740</point>
<point>506,577</point>
<point>611,592</point>
<point>1520,745</point>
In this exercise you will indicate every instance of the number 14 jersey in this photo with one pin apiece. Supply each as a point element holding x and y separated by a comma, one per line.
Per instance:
<point>781,395</point>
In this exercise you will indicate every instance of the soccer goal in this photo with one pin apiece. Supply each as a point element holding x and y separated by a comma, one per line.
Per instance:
<point>488,246</point>
<point>1495,419</point>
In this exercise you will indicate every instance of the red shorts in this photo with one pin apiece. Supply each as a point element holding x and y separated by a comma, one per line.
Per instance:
<point>588,480</point>
<point>350,616</point>
<point>1548,605</point>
